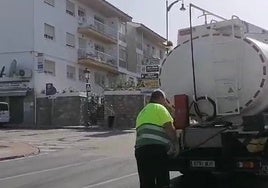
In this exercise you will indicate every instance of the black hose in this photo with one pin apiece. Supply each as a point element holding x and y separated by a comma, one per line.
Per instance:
<point>192,53</point>
<point>201,114</point>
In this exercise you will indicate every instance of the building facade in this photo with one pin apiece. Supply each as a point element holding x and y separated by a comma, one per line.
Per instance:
<point>46,45</point>
<point>146,51</point>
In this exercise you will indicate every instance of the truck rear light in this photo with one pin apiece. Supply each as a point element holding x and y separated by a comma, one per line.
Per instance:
<point>249,164</point>
<point>240,164</point>
<point>246,164</point>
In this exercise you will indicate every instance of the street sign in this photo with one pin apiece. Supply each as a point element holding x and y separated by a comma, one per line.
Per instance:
<point>88,87</point>
<point>152,68</point>
<point>151,84</point>
<point>150,76</point>
<point>151,61</point>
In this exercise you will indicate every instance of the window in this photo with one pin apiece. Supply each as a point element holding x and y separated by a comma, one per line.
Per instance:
<point>111,80</point>
<point>81,12</point>
<point>161,54</point>
<point>70,40</point>
<point>70,8</point>
<point>49,32</point>
<point>122,57</point>
<point>99,19</point>
<point>70,72</point>
<point>122,64</point>
<point>82,43</point>
<point>153,51</point>
<point>50,2</point>
<point>99,48</point>
<point>122,53</point>
<point>122,28</point>
<point>99,79</point>
<point>99,24</point>
<point>139,41</point>
<point>81,75</point>
<point>139,62</point>
<point>49,67</point>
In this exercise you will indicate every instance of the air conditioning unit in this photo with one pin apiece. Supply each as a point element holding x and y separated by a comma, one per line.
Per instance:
<point>81,20</point>
<point>24,73</point>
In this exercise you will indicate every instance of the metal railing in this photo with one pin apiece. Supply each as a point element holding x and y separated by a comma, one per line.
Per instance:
<point>97,56</point>
<point>139,45</point>
<point>98,26</point>
<point>147,53</point>
<point>122,37</point>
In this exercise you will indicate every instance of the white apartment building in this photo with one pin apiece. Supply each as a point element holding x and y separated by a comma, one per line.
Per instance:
<point>145,48</point>
<point>46,42</point>
<point>53,41</point>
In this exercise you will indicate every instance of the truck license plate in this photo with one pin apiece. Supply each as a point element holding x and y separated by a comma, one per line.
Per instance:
<point>200,164</point>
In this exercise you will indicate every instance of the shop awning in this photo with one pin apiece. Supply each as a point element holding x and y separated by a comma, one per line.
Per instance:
<point>13,93</point>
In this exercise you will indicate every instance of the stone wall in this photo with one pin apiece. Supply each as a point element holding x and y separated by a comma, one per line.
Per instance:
<point>124,107</point>
<point>61,111</point>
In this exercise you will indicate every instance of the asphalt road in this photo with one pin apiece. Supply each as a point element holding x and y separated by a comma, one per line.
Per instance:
<point>74,158</point>
<point>68,169</point>
<point>78,158</point>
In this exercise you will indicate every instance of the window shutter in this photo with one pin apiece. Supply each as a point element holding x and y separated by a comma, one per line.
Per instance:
<point>49,67</point>
<point>49,31</point>
<point>70,7</point>
<point>70,72</point>
<point>82,43</point>
<point>70,40</point>
<point>50,2</point>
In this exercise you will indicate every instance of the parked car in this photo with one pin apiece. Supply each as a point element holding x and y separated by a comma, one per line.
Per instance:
<point>4,113</point>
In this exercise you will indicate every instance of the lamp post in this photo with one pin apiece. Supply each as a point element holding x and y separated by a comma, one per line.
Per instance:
<point>168,8</point>
<point>88,90</point>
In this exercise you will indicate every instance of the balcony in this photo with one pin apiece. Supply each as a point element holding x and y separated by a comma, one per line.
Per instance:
<point>98,60</point>
<point>93,28</point>
<point>122,37</point>
<point>139,45</point>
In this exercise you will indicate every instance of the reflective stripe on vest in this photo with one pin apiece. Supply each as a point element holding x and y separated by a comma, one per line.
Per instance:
<point>148,134</point>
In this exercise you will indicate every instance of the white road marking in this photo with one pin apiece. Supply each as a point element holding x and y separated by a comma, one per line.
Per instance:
<point>52,169</point>
<point>111,180</point>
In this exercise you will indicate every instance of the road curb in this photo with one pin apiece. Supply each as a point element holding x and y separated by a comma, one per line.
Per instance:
<point>30,150</point>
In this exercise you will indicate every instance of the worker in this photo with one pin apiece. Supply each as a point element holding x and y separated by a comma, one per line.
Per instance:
<point>155,134</point>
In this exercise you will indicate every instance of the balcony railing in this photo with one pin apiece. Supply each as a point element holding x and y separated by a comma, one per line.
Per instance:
<point>97,56</point>
<point>139,45</point>
<point>122,37</point>
<point>98,26</point>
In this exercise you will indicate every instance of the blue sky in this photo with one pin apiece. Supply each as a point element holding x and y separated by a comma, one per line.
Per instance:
<point>152,12</point>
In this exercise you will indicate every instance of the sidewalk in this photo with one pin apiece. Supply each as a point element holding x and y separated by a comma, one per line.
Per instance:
<point>13,150</point>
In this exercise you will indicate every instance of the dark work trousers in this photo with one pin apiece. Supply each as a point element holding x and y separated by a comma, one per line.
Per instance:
<point>152,166</point>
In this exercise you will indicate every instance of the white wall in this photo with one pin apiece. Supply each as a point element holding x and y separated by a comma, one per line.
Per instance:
<point>63,22</point>
<point>60,80</point>
<point>24,60</point>
<point>22,28</point>
<point>16,31</point>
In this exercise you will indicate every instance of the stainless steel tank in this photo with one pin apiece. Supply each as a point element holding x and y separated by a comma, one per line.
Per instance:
<point>231,70</point>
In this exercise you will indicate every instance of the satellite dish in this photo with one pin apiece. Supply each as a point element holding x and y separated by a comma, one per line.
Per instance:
<point>12,69</point>
<point>2,72</point>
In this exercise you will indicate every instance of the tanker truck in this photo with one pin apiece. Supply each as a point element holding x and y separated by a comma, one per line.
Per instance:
<point>217,78</point>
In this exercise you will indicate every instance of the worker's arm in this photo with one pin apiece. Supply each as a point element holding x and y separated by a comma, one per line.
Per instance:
<point>171,132</point>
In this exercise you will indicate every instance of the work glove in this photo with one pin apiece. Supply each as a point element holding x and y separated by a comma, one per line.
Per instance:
<point>174,150</point>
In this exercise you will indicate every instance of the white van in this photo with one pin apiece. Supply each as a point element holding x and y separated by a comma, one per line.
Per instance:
<point>4,113</point>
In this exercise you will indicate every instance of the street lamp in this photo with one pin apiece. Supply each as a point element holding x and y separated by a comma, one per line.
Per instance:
<point>88,90</point>
<point>87,75</point>
<point>168,8</point>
